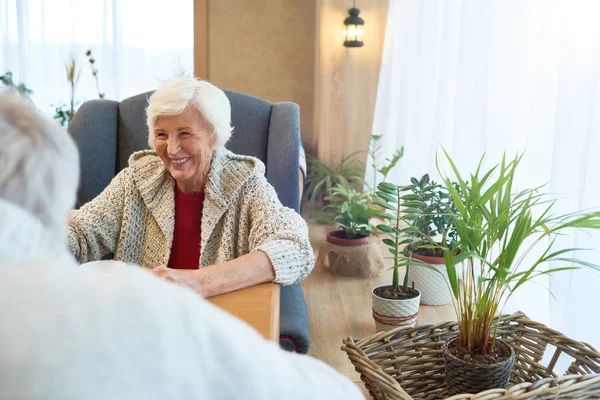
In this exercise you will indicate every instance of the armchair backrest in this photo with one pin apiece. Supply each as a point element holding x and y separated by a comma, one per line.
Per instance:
<point>108,132</point>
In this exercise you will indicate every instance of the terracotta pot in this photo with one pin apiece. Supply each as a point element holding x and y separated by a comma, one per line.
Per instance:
<point>433,285</point>
<point>463,376</point>
<point>337,237</point>
<point>389,314</point>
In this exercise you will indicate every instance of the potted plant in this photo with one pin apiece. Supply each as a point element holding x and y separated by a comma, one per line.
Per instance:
<point>432,222</point>
<point>348,248</point>
<point>321,179</point>
<point>396,304</point>
<point>496,229</point>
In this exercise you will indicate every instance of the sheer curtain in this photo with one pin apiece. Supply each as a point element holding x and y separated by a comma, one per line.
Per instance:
<point>482,76</point>
<point>136,44</point>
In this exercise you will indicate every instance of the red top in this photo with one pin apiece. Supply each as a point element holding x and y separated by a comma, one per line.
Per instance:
<point>185,251</point>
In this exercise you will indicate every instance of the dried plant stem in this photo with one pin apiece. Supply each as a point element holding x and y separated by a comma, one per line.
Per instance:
<point>73,77</point>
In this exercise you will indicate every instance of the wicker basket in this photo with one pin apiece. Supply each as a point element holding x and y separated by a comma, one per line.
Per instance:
<point>407,363</point>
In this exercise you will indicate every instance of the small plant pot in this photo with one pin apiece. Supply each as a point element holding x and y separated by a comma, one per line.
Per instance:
<point>359,257</point>
<point>432,285</point>
<point>391,313</point>
<point>338,237</point>
<point>465,376</point>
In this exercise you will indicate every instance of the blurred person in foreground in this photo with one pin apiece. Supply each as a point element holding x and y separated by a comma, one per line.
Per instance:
<point>110,330</point>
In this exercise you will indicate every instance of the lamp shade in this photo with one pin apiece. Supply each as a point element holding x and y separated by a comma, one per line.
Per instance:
<point>353,29</point>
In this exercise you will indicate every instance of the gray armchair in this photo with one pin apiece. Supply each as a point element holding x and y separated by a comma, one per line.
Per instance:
<point>107,132</point>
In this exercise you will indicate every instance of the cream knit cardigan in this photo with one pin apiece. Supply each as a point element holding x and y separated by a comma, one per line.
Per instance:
<point>134,218</point>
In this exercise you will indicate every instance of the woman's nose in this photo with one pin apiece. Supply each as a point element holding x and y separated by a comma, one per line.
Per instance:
<point>172,146</point>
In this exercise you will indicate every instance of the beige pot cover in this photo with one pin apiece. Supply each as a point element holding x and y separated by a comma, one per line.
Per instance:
<point>359,261</point>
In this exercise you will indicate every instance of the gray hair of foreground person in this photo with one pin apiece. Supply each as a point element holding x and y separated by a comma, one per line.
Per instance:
<point>173,96</point>
<point>39,162</point>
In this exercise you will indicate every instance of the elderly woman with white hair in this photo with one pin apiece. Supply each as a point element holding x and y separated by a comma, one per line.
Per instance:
<point>191,210</point>
<point>111,330</point>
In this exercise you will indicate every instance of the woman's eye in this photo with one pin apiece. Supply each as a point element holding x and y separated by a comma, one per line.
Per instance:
<point>161,135</point>
<point>185,133</point>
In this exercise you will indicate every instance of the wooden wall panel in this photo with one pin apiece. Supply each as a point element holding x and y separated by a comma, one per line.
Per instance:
<point>266,48</point>
<point>292,50</point>
<point>347,79</point>
<point>201,39</point>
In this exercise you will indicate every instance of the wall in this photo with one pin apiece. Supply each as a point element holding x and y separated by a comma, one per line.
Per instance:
<point>266,48</point>
<point>292,50</point>
<point>347,79</point>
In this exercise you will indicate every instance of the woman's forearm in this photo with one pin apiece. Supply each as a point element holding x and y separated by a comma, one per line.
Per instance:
<point>242,272</point>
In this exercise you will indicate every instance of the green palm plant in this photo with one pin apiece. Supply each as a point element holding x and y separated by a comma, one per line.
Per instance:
<point>322,179</point>
<point>496,229</point>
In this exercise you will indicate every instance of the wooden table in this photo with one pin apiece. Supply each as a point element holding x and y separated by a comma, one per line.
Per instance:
<point>257,305</point>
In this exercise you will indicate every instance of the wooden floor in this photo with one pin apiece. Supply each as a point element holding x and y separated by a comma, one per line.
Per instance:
<point>341,307</point>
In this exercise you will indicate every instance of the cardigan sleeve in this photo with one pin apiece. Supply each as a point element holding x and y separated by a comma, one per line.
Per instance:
<point>279,232</point>
<point>95,227</point>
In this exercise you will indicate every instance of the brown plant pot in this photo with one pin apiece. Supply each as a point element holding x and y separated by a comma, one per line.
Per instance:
<point>338,237</point>
<point>464,376</point>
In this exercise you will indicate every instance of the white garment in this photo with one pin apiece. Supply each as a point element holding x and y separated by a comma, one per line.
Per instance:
<point>113,331</point>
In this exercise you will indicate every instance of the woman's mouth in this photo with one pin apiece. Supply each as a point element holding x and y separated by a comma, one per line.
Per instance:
<point>179,161</point>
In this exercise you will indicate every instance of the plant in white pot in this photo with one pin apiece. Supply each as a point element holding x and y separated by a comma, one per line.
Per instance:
<point>497,228</point>
<point>396,304</point>
<point>428,231</point>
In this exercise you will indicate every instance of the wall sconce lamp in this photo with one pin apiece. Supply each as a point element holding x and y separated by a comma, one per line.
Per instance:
<point>353,29</point>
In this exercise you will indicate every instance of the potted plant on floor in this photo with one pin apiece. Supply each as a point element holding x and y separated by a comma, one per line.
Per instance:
<point>496,229</point>
<point>430,230</point>
<point>396,304</point>
<point>348,248</point>
<point>321,179</point>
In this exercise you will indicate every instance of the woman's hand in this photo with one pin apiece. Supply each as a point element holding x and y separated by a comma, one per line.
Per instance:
<point>165,273</point>
<point>242,272</point>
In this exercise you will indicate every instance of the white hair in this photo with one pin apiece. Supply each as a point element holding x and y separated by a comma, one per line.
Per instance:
<point>174,96</point>
<point>40,162</point>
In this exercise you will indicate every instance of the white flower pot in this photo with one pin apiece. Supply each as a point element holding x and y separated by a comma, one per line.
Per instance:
<point>389,314</point>
<point>432,285</point>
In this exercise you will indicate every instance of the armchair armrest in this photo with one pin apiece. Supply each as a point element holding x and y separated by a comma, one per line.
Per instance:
<point>293,322</point>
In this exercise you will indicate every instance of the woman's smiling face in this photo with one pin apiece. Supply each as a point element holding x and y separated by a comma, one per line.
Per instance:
<point>185,144</point>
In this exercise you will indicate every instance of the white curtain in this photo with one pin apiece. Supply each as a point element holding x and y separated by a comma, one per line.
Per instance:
<point>483,76</point>
<point>136,45</point>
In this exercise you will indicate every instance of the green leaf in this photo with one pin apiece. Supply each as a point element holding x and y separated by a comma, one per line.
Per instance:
<point>384,215</point>
<point>413,204</point>
<point>386,196</point>
<point>411,197</point>
<point>385,228</point>
<point>386,205</point>
<point>389,242</point>
<point>388,187</point>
